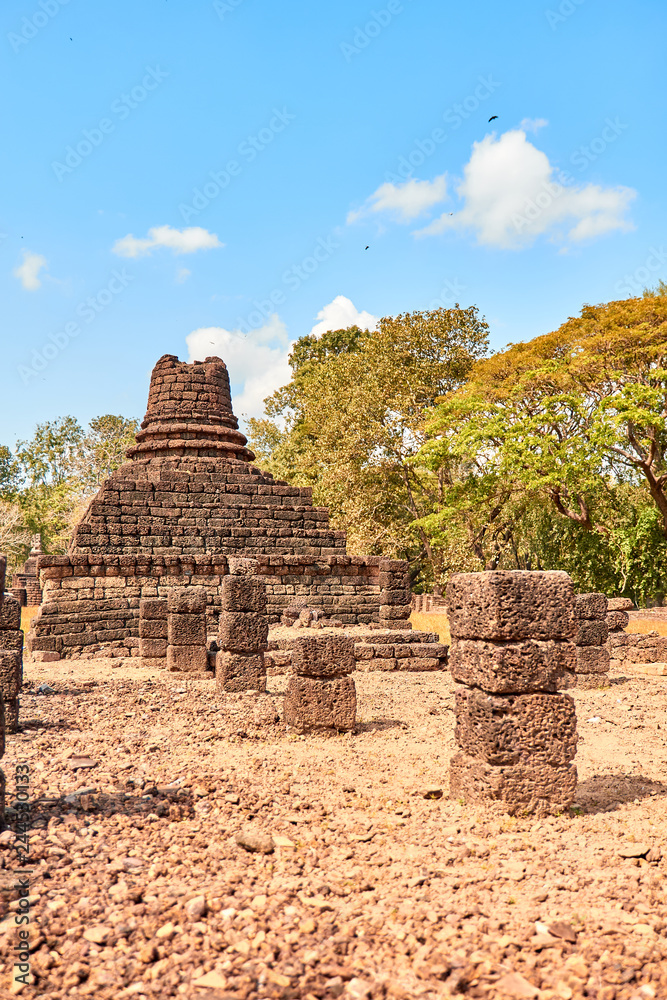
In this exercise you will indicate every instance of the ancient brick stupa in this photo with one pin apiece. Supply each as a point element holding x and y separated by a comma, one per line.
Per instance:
<point>187,499</point>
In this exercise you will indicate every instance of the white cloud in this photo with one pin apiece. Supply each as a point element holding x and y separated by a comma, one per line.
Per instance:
<point>533,124</point>
<point>510,196</point>
<point>179,240</point>
<point>183,275</point>
<point>256,361</point>
<point>406,201</point>
<point>28,271</point>
<point>340,314</point>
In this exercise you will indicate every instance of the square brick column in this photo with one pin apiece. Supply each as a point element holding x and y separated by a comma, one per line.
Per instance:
<point>243,630</point>
<point>11,660</point>
<point>512,649</point>
<point>186,630</point>
<point>321,696</point>
<point>153,631</point>
<point>592,634</point>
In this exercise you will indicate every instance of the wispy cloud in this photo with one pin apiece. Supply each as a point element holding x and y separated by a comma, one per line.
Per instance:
<point>180,241</point>
<point>511,195</point>
<point>183,275</point>
<point>28,271</point>
<point>404,201</point>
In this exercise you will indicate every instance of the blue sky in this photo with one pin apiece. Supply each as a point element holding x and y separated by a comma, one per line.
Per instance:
<point>196,177</point>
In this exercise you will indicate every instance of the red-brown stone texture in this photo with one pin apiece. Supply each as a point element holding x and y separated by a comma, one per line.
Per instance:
<point>511,605</point>
<point>511,645</point>
<point>11,660</point>
<point>27,579</point>
<point>186,505</point>
<point>313,704</point>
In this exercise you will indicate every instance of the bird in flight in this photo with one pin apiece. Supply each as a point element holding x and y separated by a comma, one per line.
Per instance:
<point>493,118</point>
<point>365,248</point>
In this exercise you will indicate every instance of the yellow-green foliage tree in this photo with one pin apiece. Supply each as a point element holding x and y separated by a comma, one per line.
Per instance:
<point>563,437</point>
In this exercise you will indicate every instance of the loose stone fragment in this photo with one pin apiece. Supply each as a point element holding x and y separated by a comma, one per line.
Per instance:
<point>617,620</point>
<point>255,841</point>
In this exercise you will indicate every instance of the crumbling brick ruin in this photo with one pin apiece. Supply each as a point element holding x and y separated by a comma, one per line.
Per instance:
<point>512,649</point>
<point>635,652</point>
<point>25,583</point>
<point>321,696</point>
<point>187,501</point>
<point>592,632</point>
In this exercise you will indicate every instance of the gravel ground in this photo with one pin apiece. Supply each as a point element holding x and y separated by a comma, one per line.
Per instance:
<point>376,885</point>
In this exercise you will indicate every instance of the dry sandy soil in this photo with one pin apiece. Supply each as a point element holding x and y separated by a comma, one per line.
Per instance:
<point>375,887</point>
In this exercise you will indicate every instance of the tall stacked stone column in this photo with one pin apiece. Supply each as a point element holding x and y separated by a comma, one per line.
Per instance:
<point>11,660</point>
<point>592,634</point>
<point>243,630</point>
<point>321,696</point>
<point>186,630</point>
<point>395,596</point>
<point>512,649</point>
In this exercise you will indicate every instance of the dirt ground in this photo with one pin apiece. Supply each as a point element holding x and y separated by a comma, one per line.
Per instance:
<point>376,885</point>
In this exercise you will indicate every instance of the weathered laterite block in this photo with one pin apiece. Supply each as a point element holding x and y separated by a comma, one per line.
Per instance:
<point>516,728</point>
<point>10,615</point>
<point>243,593</point>
<point>522,788</point>
<point>153,609</point>
<point>243,632</point>
<point>591,606</point>
<point>592,633</point>
<point>323,656</point>
<point>153,649</point>
<point>240,671</point>
<point>11,674</point>
<point>11,715</point>
<point>186,601</point>
<point>511,605</point>
<point>513,667</point>
<point>592,660</point>
<point>188,659</point>
<point>153,628</point>
<point>617,620</point>
<point>2,744</point>
<point>186,629</point>
<point>313,704</point>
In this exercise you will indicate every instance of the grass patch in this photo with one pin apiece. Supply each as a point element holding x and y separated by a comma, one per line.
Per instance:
<point>432,621</point>
<point>27,615</point>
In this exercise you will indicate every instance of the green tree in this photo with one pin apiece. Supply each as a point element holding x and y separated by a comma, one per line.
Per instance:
<point>102,448</point>
<point>351,422</point>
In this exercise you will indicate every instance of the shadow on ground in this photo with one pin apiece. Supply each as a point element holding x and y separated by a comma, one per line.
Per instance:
<point>605,792</point>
